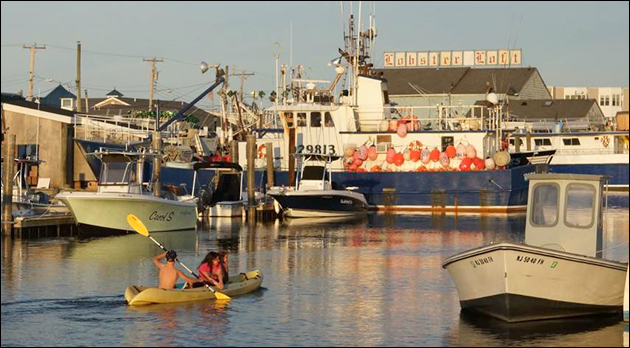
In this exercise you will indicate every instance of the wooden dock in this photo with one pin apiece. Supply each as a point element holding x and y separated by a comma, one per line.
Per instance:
<point>38,226</point>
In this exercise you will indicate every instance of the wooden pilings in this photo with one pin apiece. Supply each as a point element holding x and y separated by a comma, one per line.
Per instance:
<point>7,194</point>
<point>251,171</point>
<point>269,152</point>
<point>157,163</point>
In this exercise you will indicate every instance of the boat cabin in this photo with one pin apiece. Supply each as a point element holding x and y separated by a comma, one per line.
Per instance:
<point>124,172</point>
<point>564,212</point>
<point>314,175</point>
<point>227,183</point>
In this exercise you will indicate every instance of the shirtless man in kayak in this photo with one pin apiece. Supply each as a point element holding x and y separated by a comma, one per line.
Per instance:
<point>168,273</point>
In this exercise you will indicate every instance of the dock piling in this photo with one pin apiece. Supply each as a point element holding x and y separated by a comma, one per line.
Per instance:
<point>7,199</point>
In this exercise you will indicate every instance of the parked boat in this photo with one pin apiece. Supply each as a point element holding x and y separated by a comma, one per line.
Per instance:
<point>224,195</point>
<point>238,285</point>
<point>122,190</point>
<point>314,195</point>
<point>559,271</point>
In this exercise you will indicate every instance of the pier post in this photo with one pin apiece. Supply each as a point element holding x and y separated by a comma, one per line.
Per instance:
<point>157,163</point>
<point>292,151</point>
<point>7,199</point>
<point>251,171</point>
<point>234,151</point>
<point>517,143</point>
<point>529,140</point>
<point>269,151</point>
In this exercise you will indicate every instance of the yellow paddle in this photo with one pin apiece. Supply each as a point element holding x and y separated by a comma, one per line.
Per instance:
<point>139,227</point>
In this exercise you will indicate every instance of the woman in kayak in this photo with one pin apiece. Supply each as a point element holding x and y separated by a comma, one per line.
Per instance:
<point>168,273</point>
<point>223,257</point>
<point>210,271</point>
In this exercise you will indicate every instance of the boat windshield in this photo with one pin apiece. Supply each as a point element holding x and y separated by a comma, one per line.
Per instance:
<point>314,173</point>
<point>118,173</point>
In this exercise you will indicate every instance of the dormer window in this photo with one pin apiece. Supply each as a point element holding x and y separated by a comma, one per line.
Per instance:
<point>67,103</point>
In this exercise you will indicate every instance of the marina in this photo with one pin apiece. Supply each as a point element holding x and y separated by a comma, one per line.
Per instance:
<point>438,189</point>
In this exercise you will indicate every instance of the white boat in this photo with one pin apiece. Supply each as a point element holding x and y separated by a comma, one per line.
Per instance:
<point>314,195</point>
<point>224,196</point>
<point>122,191</point>
<point>559,271</point>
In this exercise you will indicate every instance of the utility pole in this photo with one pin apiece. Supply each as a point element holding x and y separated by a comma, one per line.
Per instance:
<point>242,77</point>
<point>154,76</point>
<point>31,74</point>
<point>79,108</point>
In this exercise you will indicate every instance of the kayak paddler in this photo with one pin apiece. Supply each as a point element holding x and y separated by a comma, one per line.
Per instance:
<point>168,273</point>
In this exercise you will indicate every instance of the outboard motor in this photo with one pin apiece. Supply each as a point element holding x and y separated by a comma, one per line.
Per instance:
<point>204,198</point>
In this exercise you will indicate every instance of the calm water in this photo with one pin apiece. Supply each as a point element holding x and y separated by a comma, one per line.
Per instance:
<point>375,281</point>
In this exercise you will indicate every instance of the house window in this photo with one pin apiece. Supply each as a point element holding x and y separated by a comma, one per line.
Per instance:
<point>67,104</point>
<point>616,100</point>
<point>545,205</point>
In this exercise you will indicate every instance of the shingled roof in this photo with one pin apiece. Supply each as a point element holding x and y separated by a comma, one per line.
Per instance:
<point>455,80</point>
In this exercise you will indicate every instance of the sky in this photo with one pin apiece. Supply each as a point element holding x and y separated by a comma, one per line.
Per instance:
<point>572,44</point>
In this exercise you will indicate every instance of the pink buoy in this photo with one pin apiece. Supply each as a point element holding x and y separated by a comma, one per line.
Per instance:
<point>444,160</point>
<point>358,162</point>
<point>402,130</point>
<point>393,125</point>
<point>363,153</point>
<point>372,153</point>
<point>390,156</point>
<point>490,165</point>
<point>461,151</point>
<point>425,156</point>
<point>471,152</point>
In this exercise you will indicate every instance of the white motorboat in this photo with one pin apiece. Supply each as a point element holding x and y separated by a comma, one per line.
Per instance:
<point>224,196</point>
<point>314,195</point>
<point>122,191</point>
<point>559,271</point>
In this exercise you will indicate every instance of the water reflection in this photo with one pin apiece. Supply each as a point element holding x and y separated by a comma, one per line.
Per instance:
<point>375,280</point>
<point>592,331</point>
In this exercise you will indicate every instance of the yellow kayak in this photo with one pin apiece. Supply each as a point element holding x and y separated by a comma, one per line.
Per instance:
<point>239,285</point>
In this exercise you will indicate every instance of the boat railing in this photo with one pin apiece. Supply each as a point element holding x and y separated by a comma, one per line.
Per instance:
<point>438,117</point>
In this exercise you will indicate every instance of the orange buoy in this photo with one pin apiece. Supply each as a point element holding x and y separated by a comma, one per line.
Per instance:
<point>479,163</point>
<point>465,165</point>
<point>399,159</point>
<point>414,155</point>
<point>435,155</point>
<point>451,152</point>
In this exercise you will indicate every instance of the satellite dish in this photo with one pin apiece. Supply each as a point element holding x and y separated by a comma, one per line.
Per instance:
<point>492,98</point>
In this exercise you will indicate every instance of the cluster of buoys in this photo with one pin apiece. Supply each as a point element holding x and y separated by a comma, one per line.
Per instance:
<point>420,158</point>
<point>408,123</point>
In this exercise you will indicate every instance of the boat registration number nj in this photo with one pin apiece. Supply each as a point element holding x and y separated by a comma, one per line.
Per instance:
<point>318,149</point>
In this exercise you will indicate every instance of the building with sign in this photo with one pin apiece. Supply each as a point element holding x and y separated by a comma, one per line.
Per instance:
<point>497,58</point>
<point>460,86</point>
